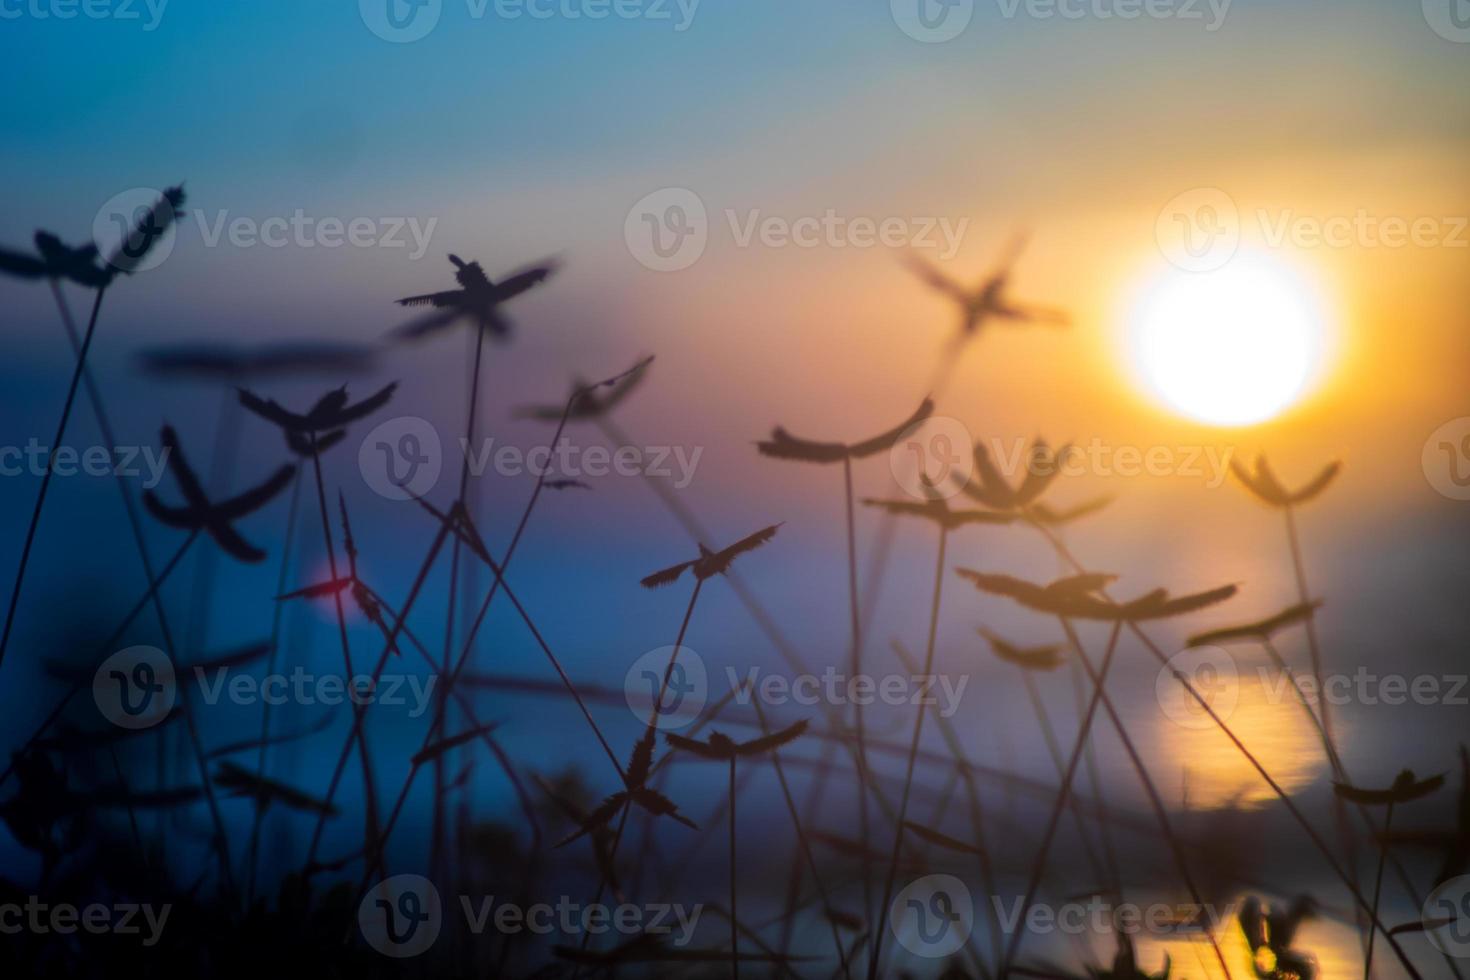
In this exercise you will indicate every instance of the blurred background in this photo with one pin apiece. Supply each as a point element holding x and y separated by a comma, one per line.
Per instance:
<point>507,139</point>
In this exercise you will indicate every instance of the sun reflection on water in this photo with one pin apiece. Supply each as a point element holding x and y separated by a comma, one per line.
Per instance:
<point>1264,713</point>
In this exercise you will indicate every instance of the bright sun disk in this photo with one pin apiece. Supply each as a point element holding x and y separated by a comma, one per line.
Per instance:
<point>1234,346</point>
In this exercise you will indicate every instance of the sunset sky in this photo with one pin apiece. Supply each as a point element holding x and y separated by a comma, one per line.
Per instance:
<point>520,138</point>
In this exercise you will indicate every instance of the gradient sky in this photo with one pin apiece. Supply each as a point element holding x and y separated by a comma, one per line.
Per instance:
<point>526,138</point>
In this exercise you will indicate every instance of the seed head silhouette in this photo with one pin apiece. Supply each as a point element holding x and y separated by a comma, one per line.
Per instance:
<point>331,411</point>
<point>636,792</point>
<point>710,563</point>
<point>1075,597</point>
<point>1259,630</point>
<point>722,748</point>
<point>478,300</point>
<point>988,486</point>
<point>589,404</point>
<point>215,519</point>
<point>936,508</point>
<point>1268,489</point>
<point>54,259</point>
<point>783,445</point>
<point>1027,658</point>
<point>1405,789</point>
<point>988,300</point>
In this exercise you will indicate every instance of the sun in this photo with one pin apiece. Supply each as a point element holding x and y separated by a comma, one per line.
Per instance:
<point>1230,347</point>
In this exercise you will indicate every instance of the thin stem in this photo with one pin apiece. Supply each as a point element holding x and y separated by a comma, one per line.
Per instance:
<point>265,712</point>
<point>972,792</point>
<point>757,612</point>
<point>734,928</point>
<point>103,652</point>
<point>1038,867</point>
<point>805,844</point>
<point>436,838</point>
<point>369,791</point>
<point>1161,812</point>
<point>104,427</point>
<point>648,736</point>
<point>1304,596</point>
<point>358,711</point>
<point>1107,873</point>
<point>908,779</point>
<point>436,725</point>
<point>856,661</point>
<point>1281,794</point>
<point>658,702</point>
<point>1340,772</point>
<point>1378,890</point>
<point>71,396</point>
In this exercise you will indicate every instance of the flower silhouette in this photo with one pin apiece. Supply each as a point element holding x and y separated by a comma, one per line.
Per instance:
<point>478,299</point>
<point>331,411</point>
<point>710,563</point>
<point>1267,488</point>
<point>783,445</point>
<point>989,300</point>
<point>1075,597</point>
<point>199,514</point>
